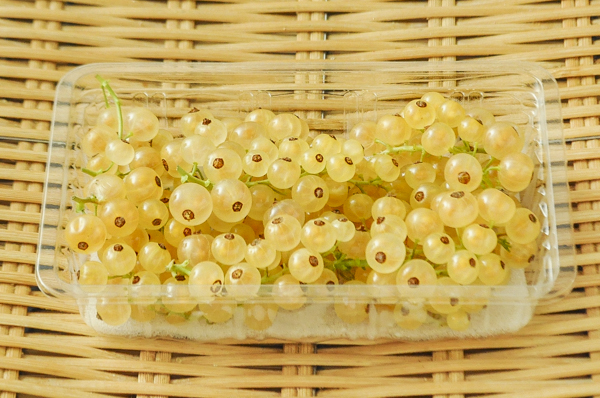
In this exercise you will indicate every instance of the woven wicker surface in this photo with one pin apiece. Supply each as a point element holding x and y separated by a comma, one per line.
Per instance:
<point>47,351</point>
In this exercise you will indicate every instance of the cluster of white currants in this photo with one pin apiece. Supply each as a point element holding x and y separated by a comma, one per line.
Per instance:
<point>425,197</point>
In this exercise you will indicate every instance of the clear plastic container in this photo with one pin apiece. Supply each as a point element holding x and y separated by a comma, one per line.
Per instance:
<point>332,97</point>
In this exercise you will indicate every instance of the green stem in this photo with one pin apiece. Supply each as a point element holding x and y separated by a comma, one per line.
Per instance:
<point>96,173</point>
<point>460,243</point>
<point>344,264</point>
<point>185,177</point>
<point>123,175</point>
<point>269,279</point>
<point>387,146</point>
<point>253,183</point>
<point>81,202</point>
<point>126,276</point>
<point>504,243</point>
<point>330,251</point>
<point>178,269</point>
<point>489,162</point>
<point>202,175</point>
<point>414,250</point>
<point>107,87</point>
<point>404,148</point>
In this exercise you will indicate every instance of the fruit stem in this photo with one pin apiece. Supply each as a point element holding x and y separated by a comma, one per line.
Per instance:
<point>504,243</point>
<point>178,269</point>
<point>253,183</point>
<point>414,250</point>
<point>458,236</point>
<point>80,207</point>
<point>401,148</point>
<point>343,264</point>
<point>269,279</point>
<point>330,251</point>
<point>189,177</point>
<point>126,276</point>
<point>97,173</point>
<point>107,87</point>
<point>377,181</point>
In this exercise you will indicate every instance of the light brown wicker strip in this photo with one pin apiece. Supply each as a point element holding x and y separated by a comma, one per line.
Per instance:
<point>46,350</point>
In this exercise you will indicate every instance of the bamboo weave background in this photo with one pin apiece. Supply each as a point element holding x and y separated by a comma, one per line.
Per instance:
<point>47,351</point>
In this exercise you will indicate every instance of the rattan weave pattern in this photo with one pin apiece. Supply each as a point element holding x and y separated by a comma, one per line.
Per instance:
<point>47,351</point>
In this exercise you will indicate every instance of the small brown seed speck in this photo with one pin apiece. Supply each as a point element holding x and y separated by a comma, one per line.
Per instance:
<point>419,196</point>
<point>188,215</point>
<point>531,258</point>
<point>187,231</point>
<point>237,274</point>
<point>421,104</point>
<point>156,222</point>
<point>162,246</point>
<point>118,247</point>
<point>444,240</point>
<point>414,281</point>
<point>158,181</point>
<point>319,223</point>
<point>165,164</point>
<point>394,162</point>
<point>319,158</point>
<point>532,218</point>
<point>229,236</point>
<point>348,160</point>
<point>257,158</point>
<point>313,261</point>
<point>237,206</point>
<point>380,220</point>
<point>180,278</point>
<point>453,301</point>
<point>218,163</point>
<point>286,159</point>
<point>380,257</point>
<point>464,177</point>
<point>318,192</point>
<point>216,286</point>
<point>405,311</point>
<point>119,222</point>
<point>135,280</point>
<point>206,121</point>
<point>472,262</point>
<point>502,264</point>
<point>277,220</point>
<point>458,194</point>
